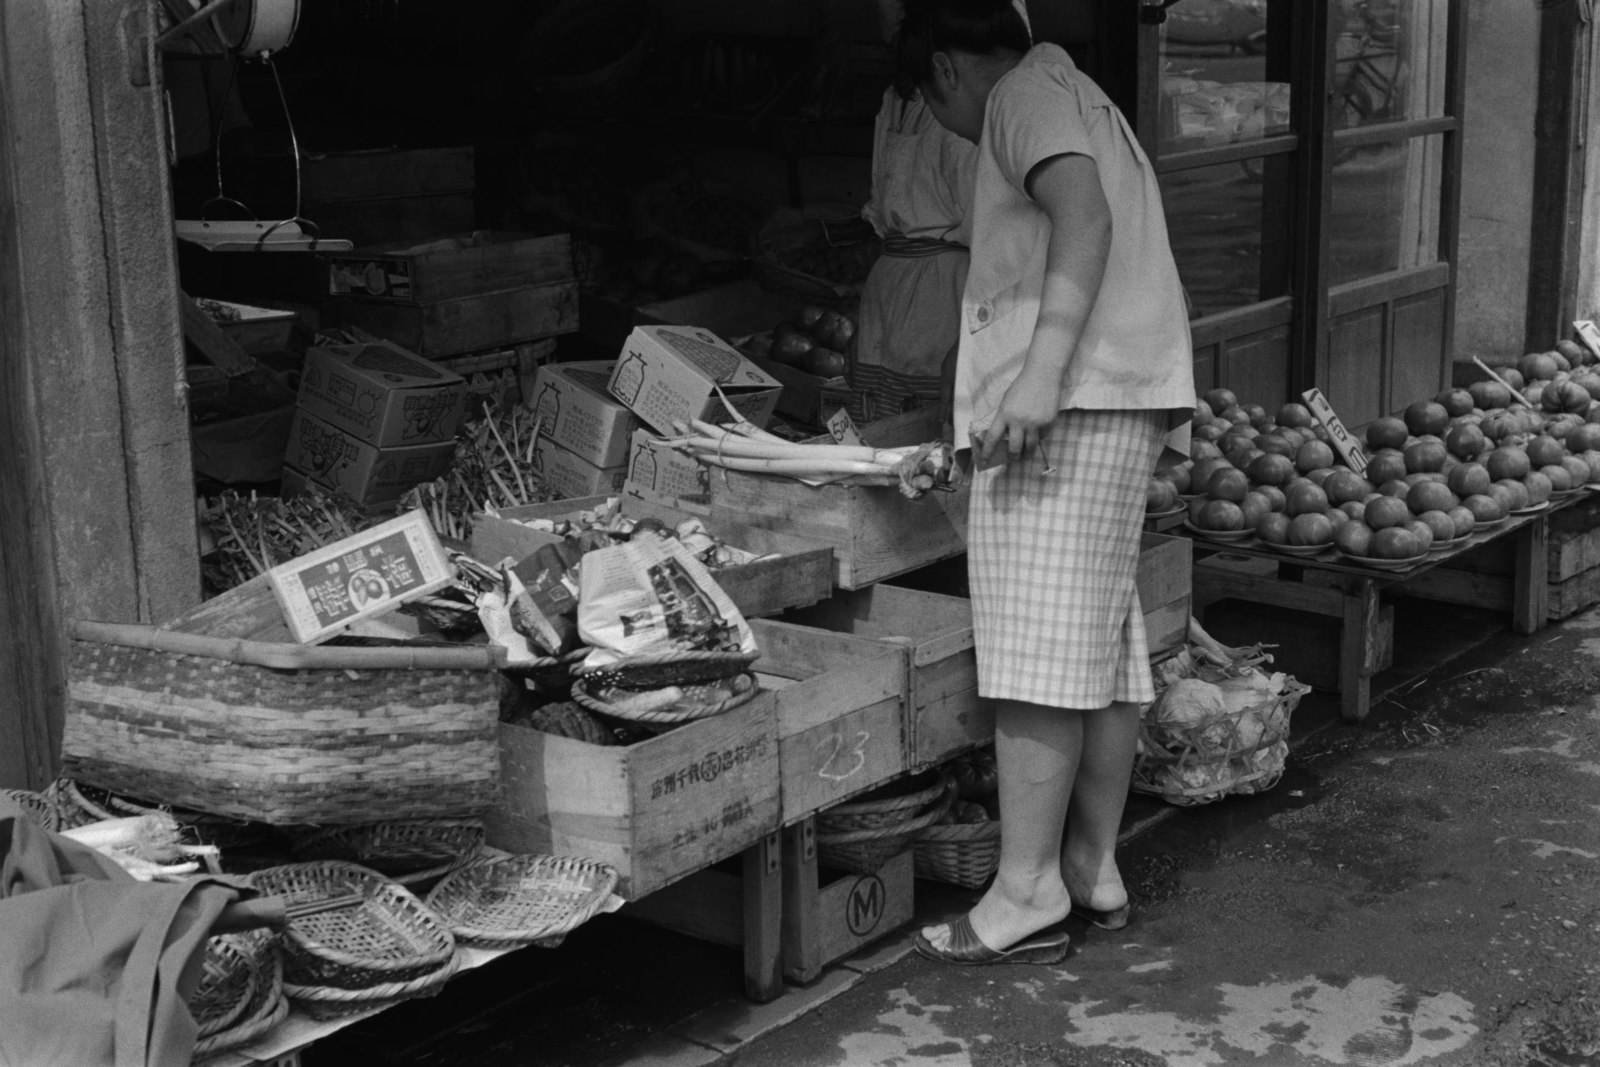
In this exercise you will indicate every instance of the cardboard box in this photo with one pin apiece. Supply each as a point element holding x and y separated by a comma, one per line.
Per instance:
<point>381,394</point>
<point>448,267</point>
<point>334,459</point>
<point>360,577</point>
<point>568,475</point>
<point>657,810</point>
<point>805,395</point>
<point>576,411</point>
<point>669,374</point>
<point>660,474</point>
<point>791,573</point>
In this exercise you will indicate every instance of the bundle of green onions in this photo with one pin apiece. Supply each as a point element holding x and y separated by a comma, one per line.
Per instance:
<point>493,468</point>
<point>742,446</point>
<point>243,536</point>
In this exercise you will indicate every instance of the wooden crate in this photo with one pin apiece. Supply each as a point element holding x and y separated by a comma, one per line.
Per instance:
<point>1485,577</point>
<point>656,810</point>
<point>1165,582</point>
<point>841,713</point>
<point>465,323</point>
<point>448,267</point>
<point>826,917</point>
<point>799,573</point>
<point>874,531</point>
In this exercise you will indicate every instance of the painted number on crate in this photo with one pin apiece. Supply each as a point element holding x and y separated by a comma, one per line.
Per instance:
<point>841,758</point>
<point>864,907</point>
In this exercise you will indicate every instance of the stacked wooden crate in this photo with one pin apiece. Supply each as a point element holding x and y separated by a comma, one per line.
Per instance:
<point>1485,578</point>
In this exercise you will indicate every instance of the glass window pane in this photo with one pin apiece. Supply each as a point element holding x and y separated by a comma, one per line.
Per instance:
<point>1385,207</point>
<point>1224,72</point>
<point>1228,225</point>
<point>1389,61</point>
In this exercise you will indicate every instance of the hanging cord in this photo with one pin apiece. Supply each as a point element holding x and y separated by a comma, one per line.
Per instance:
<point>294,149</point>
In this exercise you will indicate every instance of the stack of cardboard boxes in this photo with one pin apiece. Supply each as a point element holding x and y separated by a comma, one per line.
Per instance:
<point>372,420</point>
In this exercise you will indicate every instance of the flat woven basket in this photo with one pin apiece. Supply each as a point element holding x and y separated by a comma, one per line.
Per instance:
<point>886,806</point>
<point>389,938</point>
<point>266,1008</point>
<point>522,900</point>
<point>334,1002</point>
<point>38,807</point>
<point>964,854</point>
<point>863,851</point>
<point>283,734</point>
<point>411,852</point>
<point>658,670</point>
<point>229,974</point>
<point>1204,763</point>
<point>551,672</point>
<point>696,703</point>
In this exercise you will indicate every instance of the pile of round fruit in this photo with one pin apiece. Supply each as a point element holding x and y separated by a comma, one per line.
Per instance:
<point>1463,461</point>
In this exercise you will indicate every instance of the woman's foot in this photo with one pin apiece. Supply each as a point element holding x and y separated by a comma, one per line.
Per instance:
<point>1098,894</point>
<point>1008,915</point>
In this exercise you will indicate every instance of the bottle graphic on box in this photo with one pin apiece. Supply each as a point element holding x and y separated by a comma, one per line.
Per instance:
<point>547,408</point>
<point>629,379</point>
<point>643,469</point>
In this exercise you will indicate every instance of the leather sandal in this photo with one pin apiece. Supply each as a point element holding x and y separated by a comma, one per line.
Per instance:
<point>1048,946</point>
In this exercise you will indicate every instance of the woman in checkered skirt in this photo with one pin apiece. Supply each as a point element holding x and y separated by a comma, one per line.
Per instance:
<point>1074,365</point>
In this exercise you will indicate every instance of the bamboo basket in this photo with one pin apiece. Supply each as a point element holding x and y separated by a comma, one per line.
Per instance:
<point>413,853</point>
<point>522,900</point>
<point>283,734</point>
<point>963,854</point>
<point>266,1008</point>
<point>38,807</point>
<point>389,939</point>
<point>862,836</point>
<point>1204,763</point>
<point>686,710</point>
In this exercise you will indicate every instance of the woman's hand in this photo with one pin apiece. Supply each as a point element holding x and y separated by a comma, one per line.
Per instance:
<point>1026,411</point>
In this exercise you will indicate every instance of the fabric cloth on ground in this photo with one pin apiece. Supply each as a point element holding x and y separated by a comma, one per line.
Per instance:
<point>1052,560</point>
<point>95,967</point>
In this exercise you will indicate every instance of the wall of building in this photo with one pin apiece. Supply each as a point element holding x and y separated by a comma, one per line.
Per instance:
<point>1497,178</point>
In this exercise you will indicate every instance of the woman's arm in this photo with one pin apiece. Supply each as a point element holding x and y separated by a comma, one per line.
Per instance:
<point>1067,188</point>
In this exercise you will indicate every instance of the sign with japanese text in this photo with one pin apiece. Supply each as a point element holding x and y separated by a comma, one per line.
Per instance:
<point>1343,442</point>
<point>367,574</point>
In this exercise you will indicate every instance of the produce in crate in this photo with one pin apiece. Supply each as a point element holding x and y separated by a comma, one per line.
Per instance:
<point>150,847</point>
<point>815,341</point>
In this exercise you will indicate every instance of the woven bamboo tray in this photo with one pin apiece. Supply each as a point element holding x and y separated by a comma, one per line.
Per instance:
<point>390,938</point>
<point>334,1002</point>
<point>865,850</point>
<point>586,693</point>
<point>964,854</point>
<point>520,900</point>
<point>229,974</point>
<point>411,852</point>
<point>266,1008</point>
<point>38,807</point>
<point>887,805</point>
<point>283,734</point>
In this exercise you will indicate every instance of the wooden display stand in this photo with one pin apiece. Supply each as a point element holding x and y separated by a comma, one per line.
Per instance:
<point>827,920</point>
<point>1350,593</point>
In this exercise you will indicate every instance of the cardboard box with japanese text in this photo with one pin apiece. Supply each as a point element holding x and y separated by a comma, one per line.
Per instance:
<point>657,473</point>
<point>668,374</point>
<point>382,394</point>
<point>566,474</point>
<point>575,411</point>
<point>335,459</point>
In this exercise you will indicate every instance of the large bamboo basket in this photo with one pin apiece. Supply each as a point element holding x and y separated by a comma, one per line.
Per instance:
<point>283,734</point>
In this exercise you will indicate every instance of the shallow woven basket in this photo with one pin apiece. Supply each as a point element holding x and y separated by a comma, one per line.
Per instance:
<point>389,938</point>
<point>1217,749</point>
<point>586,693</point>
<point>334,1002</point>
<point>887,805</point>
<point>38,807</point>
<point>266,1008</point>
<point>229,974</point>
<point>411,852</point>
<point>964,854</point>
<point>863,851</point>
<point>520,900</point>
<point>283,734</point>
<point>661,669</point>
<point>551,673</point>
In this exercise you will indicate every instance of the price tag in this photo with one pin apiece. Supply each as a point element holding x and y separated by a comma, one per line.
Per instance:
<point>1589,334</point>
<point>367,574</point>
<point>1349,449</point>
<point>842,428</point>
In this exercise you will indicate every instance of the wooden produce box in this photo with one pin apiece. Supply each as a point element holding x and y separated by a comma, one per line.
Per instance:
<point>448,267</point>
<point>656,810</point>
<point>828,917</point>
<point>1166,590</point>
<point>801,572</point>
<point>874,531</point>
<point>841,713</point>
<point>1486,576</point>
<point>463,324</point>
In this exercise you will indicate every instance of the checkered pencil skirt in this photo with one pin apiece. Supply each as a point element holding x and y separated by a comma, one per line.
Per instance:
<point>1052,560</point>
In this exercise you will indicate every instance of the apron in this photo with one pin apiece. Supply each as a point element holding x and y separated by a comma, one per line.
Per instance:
<point>910,313</point>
